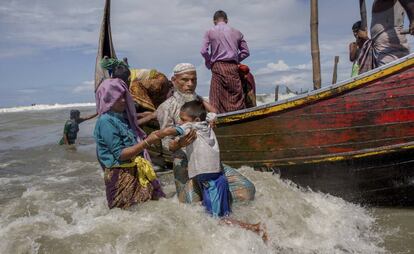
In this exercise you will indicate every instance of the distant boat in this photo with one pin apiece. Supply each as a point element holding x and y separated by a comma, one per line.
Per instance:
<point>354,139</point>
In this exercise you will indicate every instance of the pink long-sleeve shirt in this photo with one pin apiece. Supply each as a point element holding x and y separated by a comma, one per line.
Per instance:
<point>223,43</point>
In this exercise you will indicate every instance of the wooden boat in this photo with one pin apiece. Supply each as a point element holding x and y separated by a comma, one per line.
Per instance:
<point>354,139</point>
<point>105,46</point>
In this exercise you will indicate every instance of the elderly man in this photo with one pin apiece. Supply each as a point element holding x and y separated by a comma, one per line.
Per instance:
<point>185,82</point>
<point>227,49</point>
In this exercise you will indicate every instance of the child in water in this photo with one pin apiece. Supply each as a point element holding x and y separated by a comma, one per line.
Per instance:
<point>204,164</point>
<point>71,129</point>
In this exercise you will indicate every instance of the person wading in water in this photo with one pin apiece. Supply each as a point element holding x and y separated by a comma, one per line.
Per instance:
<point>71,128</point>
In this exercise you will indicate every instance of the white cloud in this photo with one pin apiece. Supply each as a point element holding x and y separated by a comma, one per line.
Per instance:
<point>157,29</point>
<point>281,66</point>
<point>17,52</point>
<point>27,91</point>
<point>160,33</point>
<point>289,79</point>
<point>86,86</point>
<point>307,66</point>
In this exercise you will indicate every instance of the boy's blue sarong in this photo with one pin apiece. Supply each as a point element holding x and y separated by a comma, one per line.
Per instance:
<point>215,192</point>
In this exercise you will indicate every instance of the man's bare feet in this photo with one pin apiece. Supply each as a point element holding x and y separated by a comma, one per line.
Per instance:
<point>257,228</point>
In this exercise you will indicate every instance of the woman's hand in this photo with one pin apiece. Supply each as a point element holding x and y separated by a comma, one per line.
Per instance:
<point>152,138</point>
<point>183,141</point>
<point>188,138</point>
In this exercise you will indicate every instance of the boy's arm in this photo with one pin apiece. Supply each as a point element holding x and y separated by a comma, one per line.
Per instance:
<point>174,145</point>
<point>208,106</point>
<point>166,121</point>
<point>183,141</point>
<point>169,131</point>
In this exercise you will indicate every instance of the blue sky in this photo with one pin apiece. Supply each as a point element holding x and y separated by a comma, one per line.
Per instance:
<point>48,48</point>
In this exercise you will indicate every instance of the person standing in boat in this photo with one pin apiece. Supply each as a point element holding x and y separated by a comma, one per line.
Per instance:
<point>361,36</point>
<point>387,42</point>
<point>223,49</point>
<point>121,146</point>
<point>249,85</point>
<point>71,128</point>
<point>168,115</point>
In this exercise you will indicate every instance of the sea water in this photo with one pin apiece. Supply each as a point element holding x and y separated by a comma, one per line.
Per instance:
<point>52,200</point>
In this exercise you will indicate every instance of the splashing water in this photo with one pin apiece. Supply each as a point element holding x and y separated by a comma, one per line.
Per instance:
<point>52,200</point>
<point>61,209</point>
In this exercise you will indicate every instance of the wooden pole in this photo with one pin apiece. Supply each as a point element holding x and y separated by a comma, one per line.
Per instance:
<point>277,93</point>
<point>363,11</point>
<point>316,64</point>
<point>335,70</point>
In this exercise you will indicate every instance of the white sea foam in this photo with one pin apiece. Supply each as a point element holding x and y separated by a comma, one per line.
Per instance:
<point>261,99</point>
<point>268,98</point>
<point>74,216</point>
<point>5,165</point>
<point>40,107</point>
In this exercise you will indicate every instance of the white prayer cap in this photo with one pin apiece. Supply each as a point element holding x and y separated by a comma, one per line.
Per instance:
<point>183,67</point>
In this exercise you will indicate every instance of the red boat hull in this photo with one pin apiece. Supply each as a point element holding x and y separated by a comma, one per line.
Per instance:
<point>322,139</point>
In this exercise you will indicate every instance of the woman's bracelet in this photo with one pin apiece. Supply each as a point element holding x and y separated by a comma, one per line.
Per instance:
<point>146,143</point>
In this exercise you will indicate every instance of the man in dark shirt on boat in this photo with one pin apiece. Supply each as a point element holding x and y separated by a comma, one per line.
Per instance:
<point>227,49</point>
<point>71,129</point>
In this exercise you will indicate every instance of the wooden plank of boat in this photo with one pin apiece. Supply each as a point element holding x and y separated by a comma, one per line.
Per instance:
<point>352,139</point>
<point>370,111</point>
<point>378,177</point>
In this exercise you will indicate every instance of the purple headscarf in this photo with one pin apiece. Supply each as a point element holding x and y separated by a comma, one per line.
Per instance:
<point>108,93</point>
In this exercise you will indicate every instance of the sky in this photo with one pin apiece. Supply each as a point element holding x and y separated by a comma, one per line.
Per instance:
<point>48,47</point>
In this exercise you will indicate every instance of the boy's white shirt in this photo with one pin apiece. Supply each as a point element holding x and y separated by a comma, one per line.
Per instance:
<point>203,154</point>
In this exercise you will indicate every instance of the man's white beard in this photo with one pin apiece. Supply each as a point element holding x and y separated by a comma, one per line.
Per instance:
<point>186,97</point>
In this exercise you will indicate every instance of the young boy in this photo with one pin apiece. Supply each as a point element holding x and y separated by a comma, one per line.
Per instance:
<point>204,164</point>
<point>203,156</point>
<point>71,129</point>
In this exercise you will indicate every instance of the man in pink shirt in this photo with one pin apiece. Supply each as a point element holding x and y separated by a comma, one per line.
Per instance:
<point>223,49</point>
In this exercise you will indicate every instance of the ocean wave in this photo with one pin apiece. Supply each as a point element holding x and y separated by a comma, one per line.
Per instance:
<point>261,99</point>
<point>39,107</point>
<point>71,212</point>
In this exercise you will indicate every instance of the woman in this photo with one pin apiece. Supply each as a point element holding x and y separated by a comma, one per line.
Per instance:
<point>121,144</point>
